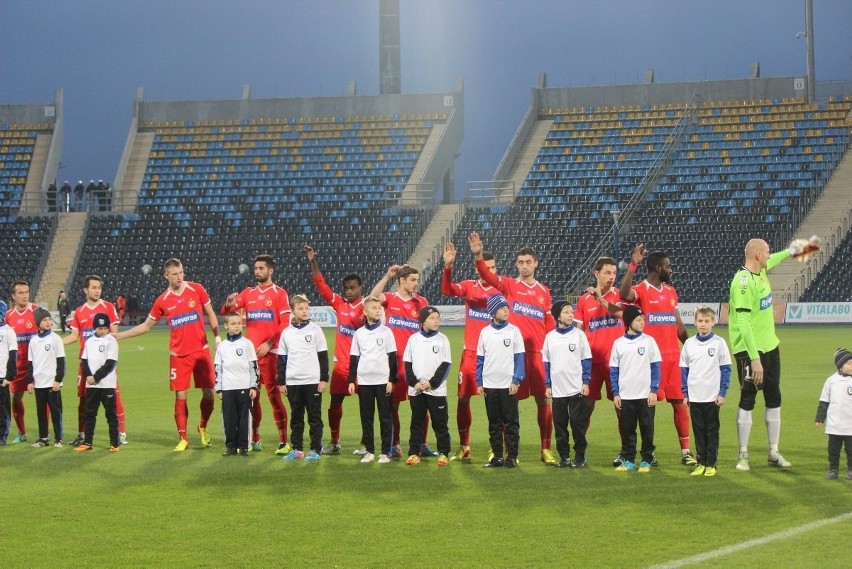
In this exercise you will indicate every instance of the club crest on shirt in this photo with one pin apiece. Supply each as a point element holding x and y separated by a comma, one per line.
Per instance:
<point>711,352</point>
<point>268,302</point>
<point>47,347</point>
<point>414,314</point>
<point>309,338</point>
<point>641,351</point>
<point>29,324</point>
<point>239,351</point>
<point>380,341</point>
<point>506,342</point>
<point>101,348</point>
<point>191,304</point>
<point>1,338</point>
<point>849,390</point>
<point>434,348</point>
<point>572,347</point>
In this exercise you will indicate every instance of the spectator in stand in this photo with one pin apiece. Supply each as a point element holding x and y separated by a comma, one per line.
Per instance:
<point>51,197</point>
<point>63,305</point>
<point>89,200</point>
<point>79,190</point>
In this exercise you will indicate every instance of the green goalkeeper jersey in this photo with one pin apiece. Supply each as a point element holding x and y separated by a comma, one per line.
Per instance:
<point>751,322</point>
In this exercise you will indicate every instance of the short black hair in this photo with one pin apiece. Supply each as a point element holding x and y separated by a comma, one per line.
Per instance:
<point>270,262</point>
<point>655,260</point>
<point>353,277</point>
<point>487,256</point>
<point>526,251</point>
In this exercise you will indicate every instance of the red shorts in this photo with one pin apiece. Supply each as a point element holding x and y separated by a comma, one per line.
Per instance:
<point>19,383</point>
<point>268,368</point>
<point>467,374</point>
<point>339,381</point>
<point>198,365</point>
<point>533,383</point>
<point>670,380</point>
<point>600,377</point>
<point>400,388</point>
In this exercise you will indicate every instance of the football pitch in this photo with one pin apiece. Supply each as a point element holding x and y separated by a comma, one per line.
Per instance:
<point>150,506</point>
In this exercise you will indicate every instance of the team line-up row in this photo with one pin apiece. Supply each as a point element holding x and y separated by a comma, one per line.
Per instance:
<point>517,344</point>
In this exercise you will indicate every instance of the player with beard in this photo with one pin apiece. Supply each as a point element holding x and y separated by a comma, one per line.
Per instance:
<point>658,300</point>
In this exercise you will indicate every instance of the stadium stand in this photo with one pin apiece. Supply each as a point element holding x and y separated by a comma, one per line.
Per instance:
<point>741,169</point>
<point>832,283</point>
<point>216,193</point>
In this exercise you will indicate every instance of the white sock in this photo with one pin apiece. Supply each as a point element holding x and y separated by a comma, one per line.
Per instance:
<point>743,428</point>
<point>773,429</point>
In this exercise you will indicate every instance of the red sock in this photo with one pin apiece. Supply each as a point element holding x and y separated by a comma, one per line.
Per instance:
<point>207,406</point>
<point>119,411</point>
<point>681,421</point>
<point>335,414</point>
<point>279,412</point>
<point>181,415</point>
<point>18,415</point>
<point>81,415</point>
<point>545,424</point>
<point>463,420</point>
<point>256,415</point>
<point>395,412</point>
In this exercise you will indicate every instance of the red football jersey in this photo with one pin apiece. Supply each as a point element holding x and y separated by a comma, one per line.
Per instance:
<point>24,325</point>
<point>475,294</point>
<point>602,328</point>
<point>660,308</point>
<point>267,313</point>
<point>184,312</point>
<point>350,317</point>
<point>403,318</point>
<point>85,314</point>
<point>529,306</point>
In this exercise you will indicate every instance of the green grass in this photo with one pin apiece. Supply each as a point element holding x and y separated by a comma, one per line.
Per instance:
<point>148,506</point>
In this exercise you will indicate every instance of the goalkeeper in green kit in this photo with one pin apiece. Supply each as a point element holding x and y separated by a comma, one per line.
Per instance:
<point>754,343</point>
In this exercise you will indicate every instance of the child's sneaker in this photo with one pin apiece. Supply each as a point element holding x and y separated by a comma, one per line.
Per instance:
<point>367,457</point>
<point>710,471</point>
<point>384,459</point>
<point>230,452</point>
<point>331,448</point>
<point>284,449</point>
<point>313,455</point>
<point>832,475</point>
<point>40,443</point>
<point>579,462</point>
<point>426,451</point>
<point>510,463</point>
<point>78,440</point>
<point>412,460</point>
<point>687,459</point>
<point>360,451</point>
<point>294,455</point>
<point>742,462</point>
<point>495,462</point>
<point>82,447</point>
<point>564,463</point>
<point>699,470</point>
<point>619,461</point>
<point>778,461</point>
<point>644,467</point>
<point>626,466</point>
<point>57,444</point>
<point>114,448</point>
<point>443,460</point>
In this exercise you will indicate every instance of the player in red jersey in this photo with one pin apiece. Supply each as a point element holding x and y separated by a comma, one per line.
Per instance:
<point>184,305</point>
<point>476,317</point>
<point>402,316</point>
<point>597,313</point>
<point>349,309</point>
<point>658,300</point>
<point>529,308</point>
<point>21,319</point>
<point>266,309</point>
<point>82,329</point>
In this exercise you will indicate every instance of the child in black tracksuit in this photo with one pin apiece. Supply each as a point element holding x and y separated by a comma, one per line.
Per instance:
<point>237,378</point>
<point>46,357</point>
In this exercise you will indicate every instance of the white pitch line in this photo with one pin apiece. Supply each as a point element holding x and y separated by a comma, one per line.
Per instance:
<point>728,549</point>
